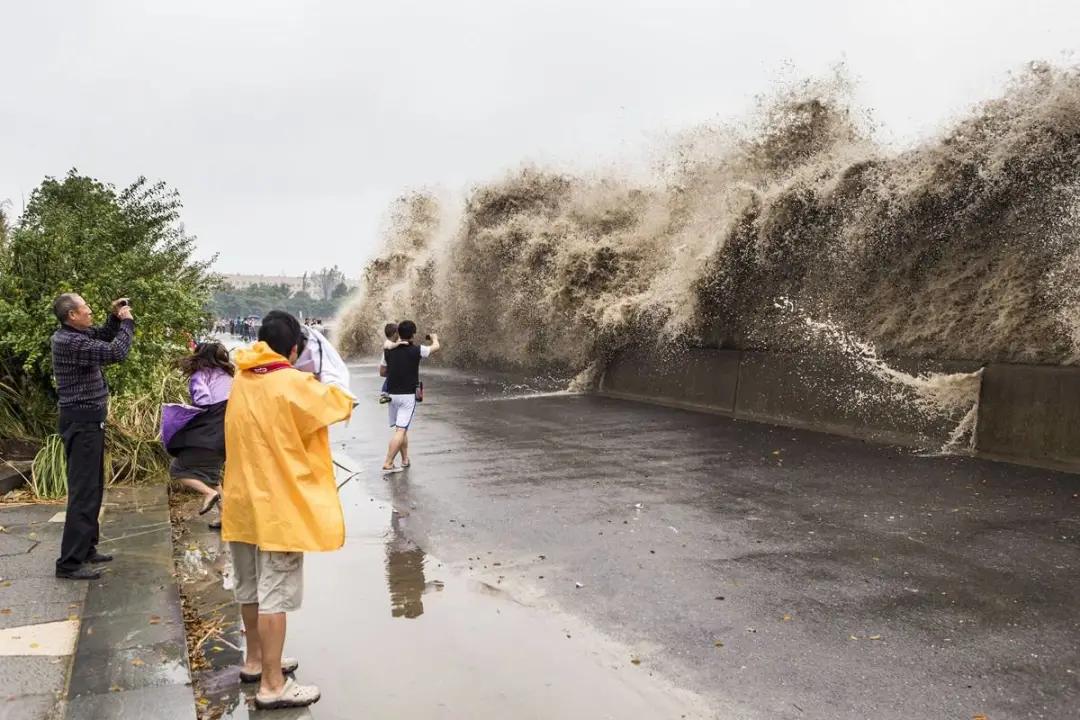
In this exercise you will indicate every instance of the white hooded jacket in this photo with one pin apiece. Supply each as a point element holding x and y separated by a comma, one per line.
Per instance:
<point>322,360</point>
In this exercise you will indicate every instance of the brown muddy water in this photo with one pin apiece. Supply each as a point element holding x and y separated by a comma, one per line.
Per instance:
<point>965,246</point>
<point>389,631</point>
<point>794,231</point>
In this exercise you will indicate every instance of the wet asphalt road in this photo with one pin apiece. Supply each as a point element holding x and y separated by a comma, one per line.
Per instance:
<point>773,573</point>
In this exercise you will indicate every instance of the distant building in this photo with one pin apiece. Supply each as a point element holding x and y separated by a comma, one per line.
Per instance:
<point>296,284</point>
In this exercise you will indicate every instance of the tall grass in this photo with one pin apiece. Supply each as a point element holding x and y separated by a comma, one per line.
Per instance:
<point>24,413</point>
<point>48,478</point>
<point>133,451</point>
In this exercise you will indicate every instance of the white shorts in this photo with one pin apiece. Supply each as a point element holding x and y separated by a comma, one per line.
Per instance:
<point>402,408</point>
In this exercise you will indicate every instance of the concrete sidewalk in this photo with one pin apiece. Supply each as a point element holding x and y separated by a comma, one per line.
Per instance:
<point>39,615</point>
<point>112,648</point>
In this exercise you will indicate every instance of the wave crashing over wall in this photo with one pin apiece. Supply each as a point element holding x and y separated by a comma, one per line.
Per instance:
<point>963,248</point>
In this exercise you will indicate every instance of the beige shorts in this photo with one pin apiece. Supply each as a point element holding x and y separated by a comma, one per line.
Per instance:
<point>274,580</point>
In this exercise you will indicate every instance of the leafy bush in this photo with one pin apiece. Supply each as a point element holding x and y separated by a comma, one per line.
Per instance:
<point>81,235</point>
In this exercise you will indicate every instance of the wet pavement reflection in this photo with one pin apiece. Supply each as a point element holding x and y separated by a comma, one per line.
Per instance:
<point>405,560</point>
<point>404,572</point>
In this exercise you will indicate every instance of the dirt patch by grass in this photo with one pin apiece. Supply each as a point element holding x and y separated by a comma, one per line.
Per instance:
<point>211,618</point>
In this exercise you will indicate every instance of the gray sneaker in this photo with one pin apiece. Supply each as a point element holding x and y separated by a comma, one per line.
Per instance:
<point>293,695</point>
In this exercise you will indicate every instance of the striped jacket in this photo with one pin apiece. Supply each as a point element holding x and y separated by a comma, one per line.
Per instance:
<point>78,357</point>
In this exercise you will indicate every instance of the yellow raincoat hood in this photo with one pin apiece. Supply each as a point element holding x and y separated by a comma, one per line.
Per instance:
<point>279,492</point>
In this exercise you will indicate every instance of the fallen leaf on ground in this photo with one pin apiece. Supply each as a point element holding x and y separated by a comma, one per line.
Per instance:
<point>5,611</point>
<point>138,662</point>
<point>34,646</point>
<point>718,644</point>
<point>73,618</point>
<point>116,688</point>
<point>874,637</point>
<point>155,620</point>
<point>787,617</point>
<point>979,716</point>
<point>635,661</point>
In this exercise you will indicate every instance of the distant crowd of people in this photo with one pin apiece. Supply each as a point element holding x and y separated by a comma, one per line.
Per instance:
<point>247,329</point>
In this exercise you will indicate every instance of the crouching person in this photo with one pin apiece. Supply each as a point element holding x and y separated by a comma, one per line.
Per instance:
<point>279,499</point>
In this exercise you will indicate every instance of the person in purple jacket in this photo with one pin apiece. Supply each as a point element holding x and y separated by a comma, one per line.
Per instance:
<point>198,449</point>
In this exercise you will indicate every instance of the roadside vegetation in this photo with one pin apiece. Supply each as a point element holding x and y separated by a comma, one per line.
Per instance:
<point>322,295</point>
<point>78,234</point>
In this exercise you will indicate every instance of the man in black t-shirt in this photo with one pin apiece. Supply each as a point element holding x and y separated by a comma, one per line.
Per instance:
<point>401,368</point>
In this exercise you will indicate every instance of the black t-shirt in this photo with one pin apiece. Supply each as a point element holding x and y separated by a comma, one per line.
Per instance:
<point>402,369</point>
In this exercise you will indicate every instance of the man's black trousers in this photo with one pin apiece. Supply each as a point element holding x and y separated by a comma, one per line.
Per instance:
<point>84,447</point>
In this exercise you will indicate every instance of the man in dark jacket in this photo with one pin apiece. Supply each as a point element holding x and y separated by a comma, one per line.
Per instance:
<point>79,350</point>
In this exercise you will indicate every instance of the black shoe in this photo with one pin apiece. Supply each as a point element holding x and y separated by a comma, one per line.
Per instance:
<point>209,504</point>
<point>82,573</point>
<point>214,524</point>
<point>99,558</point>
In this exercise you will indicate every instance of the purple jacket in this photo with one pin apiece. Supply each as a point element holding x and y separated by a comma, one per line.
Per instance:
<point>209,386</point>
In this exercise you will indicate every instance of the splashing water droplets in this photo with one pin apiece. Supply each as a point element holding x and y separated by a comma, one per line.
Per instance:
<point>961,251</point>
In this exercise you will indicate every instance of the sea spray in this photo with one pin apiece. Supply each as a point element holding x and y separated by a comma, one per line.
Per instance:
<point>934,395</point>
<point>964,248</point>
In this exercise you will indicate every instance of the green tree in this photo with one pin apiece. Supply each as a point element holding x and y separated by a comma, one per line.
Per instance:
<point>326,280</point>
<point>81,235</point>
<point>259,299</point>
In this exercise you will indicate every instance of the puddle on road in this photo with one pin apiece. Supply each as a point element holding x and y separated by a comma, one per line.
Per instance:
<point>405,579</point>
<point>387,631</point>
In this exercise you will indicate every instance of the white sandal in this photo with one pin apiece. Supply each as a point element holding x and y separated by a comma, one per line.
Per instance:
<point>293,695</point>
<point>288,667</point>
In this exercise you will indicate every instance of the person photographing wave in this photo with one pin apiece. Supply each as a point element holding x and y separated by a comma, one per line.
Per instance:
<point>401,369</point>
<point>80,351</point>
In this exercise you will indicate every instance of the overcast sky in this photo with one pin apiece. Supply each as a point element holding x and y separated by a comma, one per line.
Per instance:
<point>288,127</point>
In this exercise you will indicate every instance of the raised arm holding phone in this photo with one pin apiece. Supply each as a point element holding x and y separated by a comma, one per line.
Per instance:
<point>79,352</point>
<point>401,368</point>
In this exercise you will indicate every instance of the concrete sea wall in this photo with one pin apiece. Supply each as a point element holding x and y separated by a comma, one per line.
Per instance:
<point>1027,413</point>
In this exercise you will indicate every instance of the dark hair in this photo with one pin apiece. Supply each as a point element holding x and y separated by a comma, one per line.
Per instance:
<point>64,305</point>
<point>207,355</point>
<point>282,332</point>
<point>391,330</point>
<point>406,329</point>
